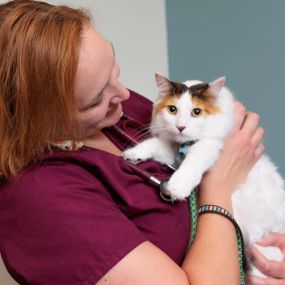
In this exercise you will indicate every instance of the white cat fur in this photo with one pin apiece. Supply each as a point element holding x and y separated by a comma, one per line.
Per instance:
<point>259,204</point>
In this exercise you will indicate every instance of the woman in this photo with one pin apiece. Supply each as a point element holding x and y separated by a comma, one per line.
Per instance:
<point>274,270</point>
<point>72,211</point>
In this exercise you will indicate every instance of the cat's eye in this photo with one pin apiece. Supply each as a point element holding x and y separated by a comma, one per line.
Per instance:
<point>172,109</point>
<point>196,112</point>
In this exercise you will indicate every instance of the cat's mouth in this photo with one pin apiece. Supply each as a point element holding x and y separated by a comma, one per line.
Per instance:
<point>181,138</point>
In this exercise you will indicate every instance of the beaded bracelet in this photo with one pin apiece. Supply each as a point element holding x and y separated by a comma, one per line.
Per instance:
<point>204,209</point>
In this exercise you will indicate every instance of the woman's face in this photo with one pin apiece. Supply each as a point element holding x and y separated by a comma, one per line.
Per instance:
<point>98,93</point>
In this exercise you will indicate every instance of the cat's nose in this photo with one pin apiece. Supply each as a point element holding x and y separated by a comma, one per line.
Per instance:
<point>180,128</point>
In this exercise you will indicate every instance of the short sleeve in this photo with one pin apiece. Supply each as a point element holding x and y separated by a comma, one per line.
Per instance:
<point>77,214</point>
<point>67,230</point>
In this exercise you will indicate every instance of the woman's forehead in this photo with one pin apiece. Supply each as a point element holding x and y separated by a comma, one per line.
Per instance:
<point>94,48</point>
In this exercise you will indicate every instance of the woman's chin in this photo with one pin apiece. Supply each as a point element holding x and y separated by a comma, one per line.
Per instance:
<point>112,117</point>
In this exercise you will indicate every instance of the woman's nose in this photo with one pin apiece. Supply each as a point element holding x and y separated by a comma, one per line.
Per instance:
<point>121,94</point>
<point>125,93</point>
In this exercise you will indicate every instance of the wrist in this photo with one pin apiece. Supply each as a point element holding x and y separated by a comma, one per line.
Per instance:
<point>214,209</point>
<point>220,196</point>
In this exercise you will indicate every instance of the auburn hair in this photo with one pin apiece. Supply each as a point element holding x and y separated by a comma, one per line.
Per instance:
<point>39,48</point>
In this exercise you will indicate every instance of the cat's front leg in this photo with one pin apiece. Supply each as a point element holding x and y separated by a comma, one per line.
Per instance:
<point>153,148</point>
<point>200,157</point>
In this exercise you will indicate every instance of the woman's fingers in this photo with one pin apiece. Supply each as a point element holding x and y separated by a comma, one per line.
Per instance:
<point>273,239</point>
<point>256,142</point>
<point>269,267</point>
<point>250,124</point>
<point>251,136</point>
<point>253,280</point>
<point>239,116</point>
<point>246,126</point>
<point>274,270</point>
<point>257,136</point>
<point>259,152</point>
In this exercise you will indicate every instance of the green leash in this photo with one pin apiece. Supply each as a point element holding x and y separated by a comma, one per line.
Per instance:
<point>194,215</point>
<point>193,208</point>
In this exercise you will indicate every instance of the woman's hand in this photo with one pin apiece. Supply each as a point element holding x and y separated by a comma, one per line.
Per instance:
<point>242,148</point>
<point>273,269</point>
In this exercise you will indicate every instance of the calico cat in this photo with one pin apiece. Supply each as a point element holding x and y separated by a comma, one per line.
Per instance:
<point>203,113</point>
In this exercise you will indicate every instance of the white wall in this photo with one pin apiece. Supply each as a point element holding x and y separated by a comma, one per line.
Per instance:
<point>137,29</point>
<point>5,278</point>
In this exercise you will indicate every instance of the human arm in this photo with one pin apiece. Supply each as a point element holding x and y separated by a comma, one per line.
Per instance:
<point>275,270</point>
<point>212,259</point>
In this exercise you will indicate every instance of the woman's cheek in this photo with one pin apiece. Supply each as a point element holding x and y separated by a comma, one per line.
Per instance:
<point>93,118</point>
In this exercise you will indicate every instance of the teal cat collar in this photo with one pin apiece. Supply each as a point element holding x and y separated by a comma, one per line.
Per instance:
<point>182,151</point>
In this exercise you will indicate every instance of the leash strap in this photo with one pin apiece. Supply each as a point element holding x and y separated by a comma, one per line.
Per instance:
<point>195,212</point>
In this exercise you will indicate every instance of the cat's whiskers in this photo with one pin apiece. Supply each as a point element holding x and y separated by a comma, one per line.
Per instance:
<point>142,132</point>
<point>158,128</point>
<point>162,130</point>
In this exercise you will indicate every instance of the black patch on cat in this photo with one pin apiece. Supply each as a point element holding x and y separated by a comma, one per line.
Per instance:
<point>199,90</point>
<point>178,88</point>
<point>195,90</point>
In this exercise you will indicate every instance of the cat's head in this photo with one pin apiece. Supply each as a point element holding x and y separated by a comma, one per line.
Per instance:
<point>191,110</point>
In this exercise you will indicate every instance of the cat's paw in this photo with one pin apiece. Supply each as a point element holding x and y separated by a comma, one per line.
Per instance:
<point>177,191</point>
<point>136,155</point>
<point>179,187</point>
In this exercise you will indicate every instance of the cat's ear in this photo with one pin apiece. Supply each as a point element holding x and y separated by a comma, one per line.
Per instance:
<point>216,86</point>
<point>163,84</point>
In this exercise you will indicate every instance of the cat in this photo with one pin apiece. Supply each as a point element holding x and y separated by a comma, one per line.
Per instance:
<point>203,114</point>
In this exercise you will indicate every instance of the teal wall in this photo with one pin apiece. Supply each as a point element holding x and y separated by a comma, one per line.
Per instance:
<point>243,40</point>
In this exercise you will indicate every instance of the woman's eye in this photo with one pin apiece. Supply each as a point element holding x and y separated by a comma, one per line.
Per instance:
<point>172,109</point>
<point>97,103</point>
<point>94,105</point>
<point>196,112</point>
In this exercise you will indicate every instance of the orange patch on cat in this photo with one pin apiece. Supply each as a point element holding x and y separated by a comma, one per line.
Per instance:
<point>169,100</point>
<point>208,106</point>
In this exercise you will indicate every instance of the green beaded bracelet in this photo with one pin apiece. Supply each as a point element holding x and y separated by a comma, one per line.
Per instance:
<point>204,209</point>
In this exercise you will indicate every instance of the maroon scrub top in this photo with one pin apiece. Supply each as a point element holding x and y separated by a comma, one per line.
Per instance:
<point>74,216</point>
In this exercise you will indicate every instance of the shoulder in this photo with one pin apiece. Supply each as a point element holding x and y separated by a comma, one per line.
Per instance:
<point>62,171</point>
